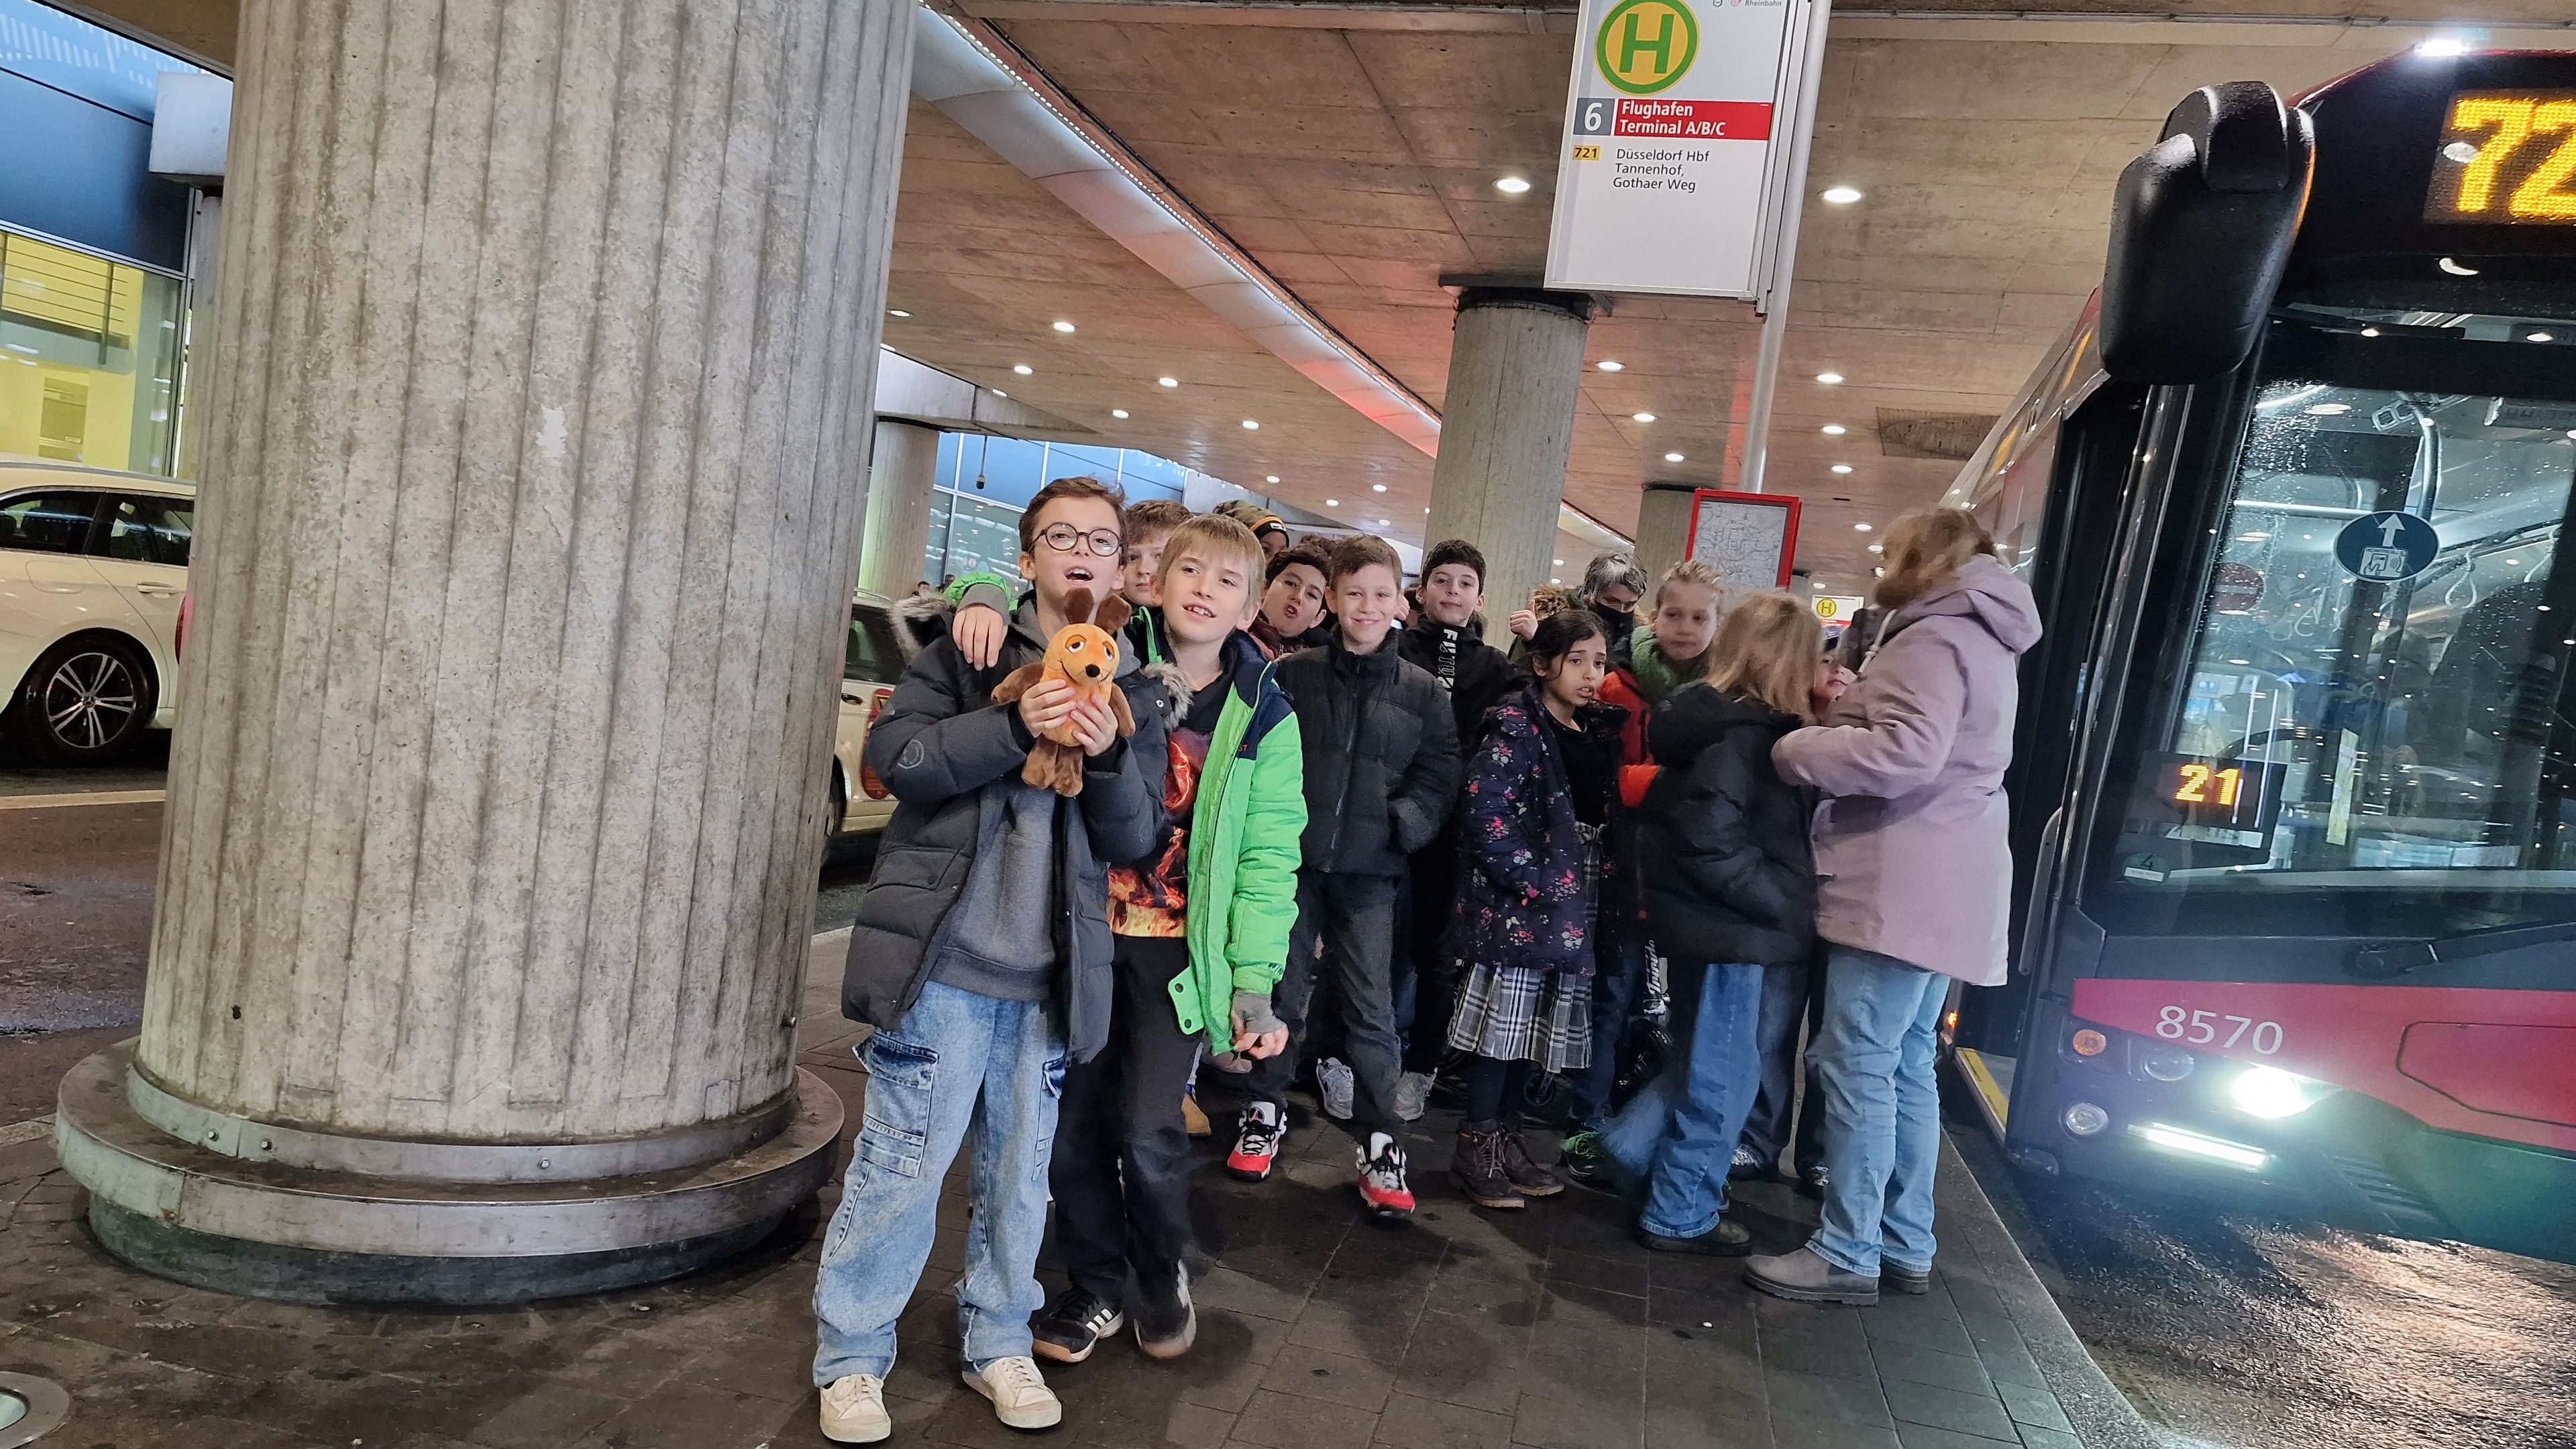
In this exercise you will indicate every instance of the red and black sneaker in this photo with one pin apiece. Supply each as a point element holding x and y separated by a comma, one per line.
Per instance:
<point>1256,1142</point>
<point>1381,1181</point>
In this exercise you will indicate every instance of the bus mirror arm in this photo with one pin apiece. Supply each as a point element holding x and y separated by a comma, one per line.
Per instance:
<point>2200,231</point>
<point>2381,963</point>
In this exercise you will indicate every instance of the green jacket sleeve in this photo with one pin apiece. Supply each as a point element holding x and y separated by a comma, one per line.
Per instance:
<point>1265,864</point>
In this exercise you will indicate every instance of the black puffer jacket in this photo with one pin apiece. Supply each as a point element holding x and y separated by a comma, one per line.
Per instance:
<point>939,746</point>
<point>1728,871</point>
<point>1382,765</point>
<point>1474,672</point>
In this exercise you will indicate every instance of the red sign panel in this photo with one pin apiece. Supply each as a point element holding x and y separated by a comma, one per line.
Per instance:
<point>1693,120</point>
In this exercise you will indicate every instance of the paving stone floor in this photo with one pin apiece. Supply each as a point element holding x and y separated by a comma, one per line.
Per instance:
<point>1467,1329</point>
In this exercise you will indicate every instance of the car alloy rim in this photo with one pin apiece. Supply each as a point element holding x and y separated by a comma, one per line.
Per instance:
<point>90,699</point>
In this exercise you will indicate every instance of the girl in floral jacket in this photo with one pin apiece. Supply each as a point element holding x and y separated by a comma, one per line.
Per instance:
<point>1539,796</point>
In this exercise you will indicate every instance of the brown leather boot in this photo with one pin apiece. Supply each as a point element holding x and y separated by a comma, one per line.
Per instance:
<point>1477,1167</point>
<point>1532,1179</point>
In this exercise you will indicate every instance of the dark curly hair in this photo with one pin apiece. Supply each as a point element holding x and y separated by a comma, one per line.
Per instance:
<point>1560,632</point>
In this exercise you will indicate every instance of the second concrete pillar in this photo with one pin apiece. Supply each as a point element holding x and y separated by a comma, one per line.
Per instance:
<point>1515,369</point>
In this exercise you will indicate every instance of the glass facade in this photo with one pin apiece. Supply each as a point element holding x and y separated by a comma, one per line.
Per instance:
<point>985,483</point>
<point>91,349</point>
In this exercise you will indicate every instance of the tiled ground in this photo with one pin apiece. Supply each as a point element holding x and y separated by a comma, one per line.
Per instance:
<point>1467,1329</point>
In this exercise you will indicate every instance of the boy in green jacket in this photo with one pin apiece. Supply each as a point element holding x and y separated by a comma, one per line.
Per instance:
<point>1201,930</point>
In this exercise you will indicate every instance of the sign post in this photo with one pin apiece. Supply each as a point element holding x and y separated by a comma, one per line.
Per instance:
<point>1668,181</point>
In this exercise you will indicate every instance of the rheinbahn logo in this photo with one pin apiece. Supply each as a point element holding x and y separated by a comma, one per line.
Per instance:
<point>1646,45</point>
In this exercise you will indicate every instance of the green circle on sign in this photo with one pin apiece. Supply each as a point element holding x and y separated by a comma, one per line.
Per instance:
<point>1646,45</point>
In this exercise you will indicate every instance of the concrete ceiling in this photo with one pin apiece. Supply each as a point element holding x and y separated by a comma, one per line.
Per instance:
<point>1351,151</point>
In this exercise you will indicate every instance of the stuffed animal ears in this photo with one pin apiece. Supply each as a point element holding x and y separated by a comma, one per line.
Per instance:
<point>1113,614</point>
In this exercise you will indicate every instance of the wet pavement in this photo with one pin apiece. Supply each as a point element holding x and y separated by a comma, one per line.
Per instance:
<point>2233,1329</point>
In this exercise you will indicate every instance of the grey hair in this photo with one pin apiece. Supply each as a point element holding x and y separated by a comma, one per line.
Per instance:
<point>1611,571</point>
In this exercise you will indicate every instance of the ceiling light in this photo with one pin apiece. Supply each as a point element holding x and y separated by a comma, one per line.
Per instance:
<point>1556,581</point>
<point>1332,503</point>
<point>1835,430</point>
<point>1377,488</point>
<point>1841,195</point>
<point>1271,478</point>
<point>997,392</point>
<point>1064,327</point>
<point>1878,548</point>
<point>1511,185</point>
<point>1860,528</point>
<point>2540,337</point>
<point>1643,417</point>
<point>1829,378</point>
<point>1672,457</point>
<point>2329,410</point>
<point>1023,369</point>
<point>1556,562</point>
<point>1842,467</point>
<point>1169,381</point>
<point>1250,426</point>
<point>2448,265</point>
<point>1386,523</point>
<point>1118,412</point>
<point>1606,365</point>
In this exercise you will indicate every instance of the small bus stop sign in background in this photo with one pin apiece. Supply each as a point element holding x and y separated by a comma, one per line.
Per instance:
<point>1748,537</point>
<point>2386,548</point>
<point>1664,181</point>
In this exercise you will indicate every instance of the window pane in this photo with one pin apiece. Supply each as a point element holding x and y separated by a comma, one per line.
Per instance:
<point>89,358</point>
<point>146,529</point>
<point>48,522</point>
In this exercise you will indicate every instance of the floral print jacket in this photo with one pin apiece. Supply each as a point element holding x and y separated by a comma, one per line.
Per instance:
<point>1524,897</point>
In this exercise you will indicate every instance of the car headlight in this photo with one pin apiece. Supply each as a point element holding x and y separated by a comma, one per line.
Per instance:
<point>2271,1092</point>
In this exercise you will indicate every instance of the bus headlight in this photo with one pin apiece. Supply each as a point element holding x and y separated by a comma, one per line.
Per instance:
<point>2271,1092</point>
<point>2086,1120</point>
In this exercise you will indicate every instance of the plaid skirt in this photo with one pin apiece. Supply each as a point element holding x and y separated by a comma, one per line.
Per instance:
<point>1519,1013</point>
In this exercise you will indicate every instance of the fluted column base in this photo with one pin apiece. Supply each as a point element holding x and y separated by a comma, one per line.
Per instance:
<point>270,1229</point>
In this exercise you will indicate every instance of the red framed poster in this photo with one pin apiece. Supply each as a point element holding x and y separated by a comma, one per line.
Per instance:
<point>1747,537</point>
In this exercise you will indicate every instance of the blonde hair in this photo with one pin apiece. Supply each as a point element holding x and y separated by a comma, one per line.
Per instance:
<point>1214,535</point>
<point>1926,549</point>
<point>1688,571</point>
<point>1767,647</point>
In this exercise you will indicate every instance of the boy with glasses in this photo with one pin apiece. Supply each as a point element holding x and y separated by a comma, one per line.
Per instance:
<point>982,956</point>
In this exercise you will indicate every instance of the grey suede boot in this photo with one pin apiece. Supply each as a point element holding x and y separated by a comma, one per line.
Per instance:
<point>1803,1277</point>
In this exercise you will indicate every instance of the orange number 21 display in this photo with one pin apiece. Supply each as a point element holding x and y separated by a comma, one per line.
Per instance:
<point>2202,785</point>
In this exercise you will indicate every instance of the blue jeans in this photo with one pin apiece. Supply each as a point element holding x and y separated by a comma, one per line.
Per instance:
<point>1678,1134</point>
<point>960,1062</point>
<point>1619,978</point>
<point>1873,1061</point>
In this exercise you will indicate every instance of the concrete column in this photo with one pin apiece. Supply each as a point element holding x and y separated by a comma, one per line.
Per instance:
<point>494,815</point>
<point>1663,526</point>
<point>902,470</point>
<point>1508,419</point>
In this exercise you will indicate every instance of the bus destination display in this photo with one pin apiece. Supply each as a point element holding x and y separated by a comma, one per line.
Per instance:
<point>2215,794</point>
<point>2506,158</point>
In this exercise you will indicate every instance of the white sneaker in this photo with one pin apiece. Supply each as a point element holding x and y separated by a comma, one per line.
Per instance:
<point>1019,1393</point>
<point>1412,1095</point>
<point>854,1410</point>
<point>1333,1081</point>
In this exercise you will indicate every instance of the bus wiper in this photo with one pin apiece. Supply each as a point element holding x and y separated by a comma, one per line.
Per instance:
<point>2379,963</point>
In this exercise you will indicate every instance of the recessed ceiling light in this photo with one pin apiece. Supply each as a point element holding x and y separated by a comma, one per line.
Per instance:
<point>1332,503</point>
<point>1386,523</point>
<point>1023,369</point>
<point>1064,327</point>
<point>1606,365</point>
<point>1169,381</point>
<point>1377,488</point>
<point>1878,548</point>
<point>1842,467</point>
<point>1510,185</point>
<point>1829,378</point>
<point>997,392</point>
<point>1643,417</point>
<point>1860,528</point>
<point>1672,457</point>
<point>1835,430</point>
<point>1841,195</point>
<point>1118,412</point>
<point>897,312</point>
<point>1557,562</point>
<point>1250,426</point>
<point>1271,478</point>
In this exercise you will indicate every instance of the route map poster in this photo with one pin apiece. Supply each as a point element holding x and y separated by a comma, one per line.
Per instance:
<point>1662,183</point>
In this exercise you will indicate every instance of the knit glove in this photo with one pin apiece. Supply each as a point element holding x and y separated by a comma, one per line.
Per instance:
<point>1252,1008</point>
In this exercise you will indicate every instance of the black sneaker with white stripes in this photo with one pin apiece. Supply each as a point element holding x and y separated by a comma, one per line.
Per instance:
<point>1069,1330</point>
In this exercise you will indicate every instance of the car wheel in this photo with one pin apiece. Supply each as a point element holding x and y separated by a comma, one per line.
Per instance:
<point>87,700</point>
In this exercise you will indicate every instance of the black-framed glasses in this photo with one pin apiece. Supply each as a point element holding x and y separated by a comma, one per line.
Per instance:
<point>1065,538</point>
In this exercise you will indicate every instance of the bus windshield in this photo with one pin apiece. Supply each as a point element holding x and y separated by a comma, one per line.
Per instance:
<point>2368,731</point>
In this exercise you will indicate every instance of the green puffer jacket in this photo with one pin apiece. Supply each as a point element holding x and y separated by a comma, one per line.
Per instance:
<point>1244,844</point>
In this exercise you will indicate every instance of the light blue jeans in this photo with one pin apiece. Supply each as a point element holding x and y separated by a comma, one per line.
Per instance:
<point>1677,1135</point>
<point>1872,1060</point>
<point>959,1063</point>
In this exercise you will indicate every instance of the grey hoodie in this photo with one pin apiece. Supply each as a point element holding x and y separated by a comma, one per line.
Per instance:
<point>1911,853</point>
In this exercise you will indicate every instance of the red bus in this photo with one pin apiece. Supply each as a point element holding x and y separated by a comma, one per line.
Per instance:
<point>2295,797</point>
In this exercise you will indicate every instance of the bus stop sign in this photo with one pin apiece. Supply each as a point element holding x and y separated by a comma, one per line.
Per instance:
<point>2386,548</point>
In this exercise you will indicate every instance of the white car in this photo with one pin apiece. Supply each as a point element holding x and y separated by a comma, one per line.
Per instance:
<point>93,566</point>
<point>871,663</point>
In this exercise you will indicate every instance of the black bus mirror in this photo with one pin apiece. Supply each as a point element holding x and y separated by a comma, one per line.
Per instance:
<point>2200,230</point>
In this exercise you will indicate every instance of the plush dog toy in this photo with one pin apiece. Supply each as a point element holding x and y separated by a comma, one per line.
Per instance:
<point>1084,653</point>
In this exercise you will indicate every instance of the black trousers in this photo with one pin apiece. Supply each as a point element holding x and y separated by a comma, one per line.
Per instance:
<point>1790,994</point>
<point>1353,916</point>
<point>1434,897</point>
<point>1120,1172</point>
